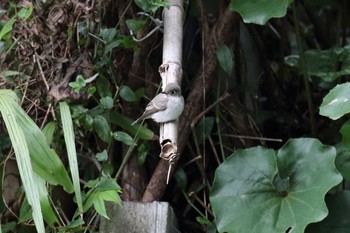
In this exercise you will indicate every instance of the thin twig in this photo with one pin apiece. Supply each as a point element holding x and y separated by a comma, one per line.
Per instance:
<point>253,138</point>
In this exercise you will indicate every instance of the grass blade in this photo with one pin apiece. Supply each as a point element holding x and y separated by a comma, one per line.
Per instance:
<point>71,150</point>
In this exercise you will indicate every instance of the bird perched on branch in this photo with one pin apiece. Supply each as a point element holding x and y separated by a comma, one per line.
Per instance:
<point>166,106</point>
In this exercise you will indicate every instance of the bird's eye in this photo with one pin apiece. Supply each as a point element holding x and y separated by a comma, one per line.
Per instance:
<point>173,92</point>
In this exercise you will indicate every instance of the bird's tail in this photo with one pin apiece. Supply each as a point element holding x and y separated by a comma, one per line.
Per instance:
<point>136,121</point>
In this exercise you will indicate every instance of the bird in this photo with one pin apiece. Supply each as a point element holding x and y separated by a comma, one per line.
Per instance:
<point>166,106</point>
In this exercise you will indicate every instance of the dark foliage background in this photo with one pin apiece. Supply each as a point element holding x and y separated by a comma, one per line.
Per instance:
<point>265,100</point>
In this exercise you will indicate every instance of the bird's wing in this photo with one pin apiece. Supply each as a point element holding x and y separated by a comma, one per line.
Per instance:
<point>157,104</point>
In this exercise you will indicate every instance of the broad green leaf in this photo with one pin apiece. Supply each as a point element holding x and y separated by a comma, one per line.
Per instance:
<point>102,128</point>
<point>342,162</point>
<point>326,64</point>
<point>260,11</point>
<point>247,181</point>
<point>127,94</point>
<point>106,183</point>
<point>224,55</point>
<point>123,137</point>
<point>107,102</point>
<point>20,146</point>
<point>336,103</point>
<point>69,139</point>
<point>345,132</point>
<point>111,195</point>
<point>338,219</point>
<point>45,161</point>
<point>203,129</point>
<point>99,206</point>
<point>124,122</point>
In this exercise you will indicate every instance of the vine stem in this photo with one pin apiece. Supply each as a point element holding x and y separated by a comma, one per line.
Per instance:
<point>304,71</point>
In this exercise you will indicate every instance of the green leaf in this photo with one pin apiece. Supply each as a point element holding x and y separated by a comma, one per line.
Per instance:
<point>10,73</point>
<point>338,219</point>
<point>108,34</point>
<point>102,128</point>
<point>345,132</point>
<point>111,195</point>
<point>103,189</point>
<point>127,94</point>
<point>9,227</point>
<point>20,147</point>
<point>123,137</point>
<point>102,156</point>
<point>140,93</point>
<point>103,87</point>
<point>142,151</point>
<point>135,25</point>
<point>49,131</point>
<point>91,90</point>
<point>113,44</point>
<point>25,212</point>
<point>335,104</point>
<point>48,213</point>
<point>342,162</point>
<point>7,27</point>
<point>181,178</point>
<point>203,129</point>
<point>124,122</point>
<point>326,64</point>
<point>25,13</point>
<point>91,79</point>
<point>78,84</point>
<point>151,5</point>
<point>246,183</point>
<point>88,122</point>
<point>224,55</point>
<point>259,11</point>
<point>69,138</point>
<point>107,102</point>
<point>45,161</point>
<point>99,206</point>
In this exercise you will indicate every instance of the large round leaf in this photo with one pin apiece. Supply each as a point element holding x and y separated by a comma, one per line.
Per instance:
<point>260,11</point>
<point>338,218</point>
<point>335,104</point>
<point>257,190</point>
